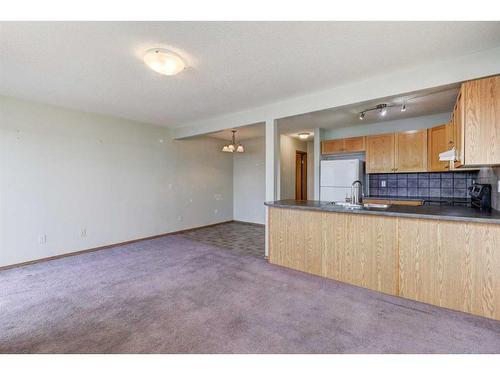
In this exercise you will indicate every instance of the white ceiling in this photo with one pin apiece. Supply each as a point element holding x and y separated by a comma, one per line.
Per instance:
<point>422,103</point>
<point>233,66</point>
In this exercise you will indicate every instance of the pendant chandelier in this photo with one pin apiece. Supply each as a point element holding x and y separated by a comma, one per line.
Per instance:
<point>233,146</point>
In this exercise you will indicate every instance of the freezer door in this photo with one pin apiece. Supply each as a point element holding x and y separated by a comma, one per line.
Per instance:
<point>334,194</point>
<point>341,173</point>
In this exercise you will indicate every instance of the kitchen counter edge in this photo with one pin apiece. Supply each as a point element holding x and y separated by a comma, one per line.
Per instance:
<point>450,213</point>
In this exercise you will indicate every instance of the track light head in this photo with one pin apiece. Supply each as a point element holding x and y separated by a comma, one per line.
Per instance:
<point>362,116</point>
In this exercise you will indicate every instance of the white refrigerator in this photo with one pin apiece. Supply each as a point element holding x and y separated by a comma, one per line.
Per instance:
<point>337,176</point>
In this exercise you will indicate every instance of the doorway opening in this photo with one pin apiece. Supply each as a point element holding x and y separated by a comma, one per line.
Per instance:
<point>300,175</point>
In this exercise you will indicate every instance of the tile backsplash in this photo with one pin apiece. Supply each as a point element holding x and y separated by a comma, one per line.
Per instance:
<point>434,184</point>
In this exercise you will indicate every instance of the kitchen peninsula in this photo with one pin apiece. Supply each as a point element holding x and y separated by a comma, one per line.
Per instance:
<point>444,256</point>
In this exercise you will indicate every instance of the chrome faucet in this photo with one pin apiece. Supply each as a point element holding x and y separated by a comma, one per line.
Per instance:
<point>356,198</point>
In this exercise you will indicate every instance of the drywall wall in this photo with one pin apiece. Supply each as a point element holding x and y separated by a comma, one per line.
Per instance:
<point>395,82</point>
<point>413,123</point>
<point>310,170</point>
<point>72,180</point>
<point>249,182</point>
<point>288,146</point>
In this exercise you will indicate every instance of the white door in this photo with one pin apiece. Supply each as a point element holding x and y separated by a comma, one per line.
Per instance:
<point>334,194</point>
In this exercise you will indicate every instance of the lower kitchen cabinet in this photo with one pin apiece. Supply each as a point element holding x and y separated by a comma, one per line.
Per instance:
<point>356,249</point>
<point>451,264</point>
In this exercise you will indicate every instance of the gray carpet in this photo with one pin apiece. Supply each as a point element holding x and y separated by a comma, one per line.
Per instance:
<point>175,295</point>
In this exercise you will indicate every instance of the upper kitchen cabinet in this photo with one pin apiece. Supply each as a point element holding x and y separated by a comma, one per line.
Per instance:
<point>411,151</point>
<point>481,121</point>
<point>380,153</point>
<point>335,146</point>
<point>355,144</point>
<point>439,139</point>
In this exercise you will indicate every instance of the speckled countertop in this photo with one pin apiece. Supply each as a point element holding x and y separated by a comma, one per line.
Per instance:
<point>452,213</point>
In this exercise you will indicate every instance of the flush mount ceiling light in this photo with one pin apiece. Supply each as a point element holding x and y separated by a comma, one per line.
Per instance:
<point>304,135</point>
<point>233,146</point>
<point>164,61</point>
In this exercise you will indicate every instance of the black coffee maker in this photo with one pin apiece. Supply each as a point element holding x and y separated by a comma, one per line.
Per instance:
<point>480,195</point>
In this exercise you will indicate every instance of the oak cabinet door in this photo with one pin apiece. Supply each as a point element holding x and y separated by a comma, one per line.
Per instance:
<point>356,144</point>
<point>411,151</point>
<point>380,156</point>
<point>481,110</point>
<point>332,147</point>
<point>437,142</point>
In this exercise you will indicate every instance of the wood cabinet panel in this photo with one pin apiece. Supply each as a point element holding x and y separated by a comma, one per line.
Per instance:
<point>406,202</point>
<point>437,142</point>
<point>371,253</point>
<point>450,264</point>
<point>293,229</point>
<point>357,249</point>
<point>411,151</point>
<point>356,144</point>
<point>380,153</point>
<point>482,121</point>
<point>332,146</point>
<point>444,263</point>
<point>336,146</point>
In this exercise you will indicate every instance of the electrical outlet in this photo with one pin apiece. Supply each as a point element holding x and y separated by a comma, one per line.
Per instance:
<point>83,232</point>
<point>382,183</point>
<point>42,239</point>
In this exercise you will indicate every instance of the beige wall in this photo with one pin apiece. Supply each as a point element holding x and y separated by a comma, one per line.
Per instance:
<point>249,182</point>
<point>63,171</point>
<point>363,128</point>
<point>288,146</point>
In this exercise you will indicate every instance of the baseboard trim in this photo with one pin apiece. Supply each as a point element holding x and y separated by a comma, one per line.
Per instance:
<point>79,252</point>
<point>249,223</point>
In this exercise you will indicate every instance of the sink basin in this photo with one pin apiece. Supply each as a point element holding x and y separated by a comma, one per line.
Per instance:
<point>348,205</point>
<point>375,205</point>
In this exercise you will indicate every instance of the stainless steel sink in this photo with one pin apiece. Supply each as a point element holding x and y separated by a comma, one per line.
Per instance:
<point>348,205</point>
<point>375,205</point>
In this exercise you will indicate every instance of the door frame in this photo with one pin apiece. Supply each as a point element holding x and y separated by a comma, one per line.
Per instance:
<point>302,194</point>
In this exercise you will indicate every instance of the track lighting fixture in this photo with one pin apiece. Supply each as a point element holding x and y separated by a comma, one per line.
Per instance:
<point>381,109</point>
